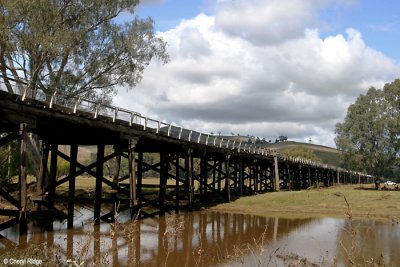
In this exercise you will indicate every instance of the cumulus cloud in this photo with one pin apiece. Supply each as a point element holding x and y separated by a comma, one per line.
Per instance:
<point>265,22</point>
<point>259,67</point>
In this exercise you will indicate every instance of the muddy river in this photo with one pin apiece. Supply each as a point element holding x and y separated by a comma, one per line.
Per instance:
<point>203,239</point>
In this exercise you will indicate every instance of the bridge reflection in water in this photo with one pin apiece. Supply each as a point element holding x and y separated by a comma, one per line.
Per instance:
<point>186,239</point>
<point>211,239</point>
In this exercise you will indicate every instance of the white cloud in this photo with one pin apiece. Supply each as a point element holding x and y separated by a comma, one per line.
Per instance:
<point>228,73</point>
<point>265,22</point>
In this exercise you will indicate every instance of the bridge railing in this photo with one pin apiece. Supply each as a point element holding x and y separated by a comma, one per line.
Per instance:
<point>115,114</point>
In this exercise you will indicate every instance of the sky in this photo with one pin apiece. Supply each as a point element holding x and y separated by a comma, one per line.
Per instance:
<point>266,68</point>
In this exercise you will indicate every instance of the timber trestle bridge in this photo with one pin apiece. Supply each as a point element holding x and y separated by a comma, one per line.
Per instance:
<point>191,167</point>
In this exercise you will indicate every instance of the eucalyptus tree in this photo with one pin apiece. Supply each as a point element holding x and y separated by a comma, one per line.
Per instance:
<point>369,135</point>
<point>77,47</point>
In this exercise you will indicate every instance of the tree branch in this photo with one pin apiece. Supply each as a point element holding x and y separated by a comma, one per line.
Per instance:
<point>4,72</point>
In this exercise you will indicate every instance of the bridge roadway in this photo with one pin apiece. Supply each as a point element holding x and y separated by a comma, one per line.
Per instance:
<point>204,168</point>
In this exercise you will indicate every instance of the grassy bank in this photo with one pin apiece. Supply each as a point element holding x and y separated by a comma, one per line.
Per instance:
<point>363,203</point>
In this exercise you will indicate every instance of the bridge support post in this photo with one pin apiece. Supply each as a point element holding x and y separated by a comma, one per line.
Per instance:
<point>214,175</point>
<point>132,175</point>
<point>227,179</point>
<point>255,176</point>
<point>219,175</point>
<point>140,178</point>
<point>241,170</point>
<point>23,223</point>
<point>117,164</point>
<point>99,177</point>
<point>118,150</point>
<point>289,177</point>
<point>43,174</point>
<point>53,174</point>
<point>203,176</point>
<point>234,175</point>
<point>71,185</point>
<point>276,173</point>
<point>177,184</point>
<point>163,180</point>
<point>189,178</point>
<point>326,178</point>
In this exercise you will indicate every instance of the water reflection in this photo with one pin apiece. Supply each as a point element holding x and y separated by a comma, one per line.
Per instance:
<point>207,239</point>
<point>366,240</point>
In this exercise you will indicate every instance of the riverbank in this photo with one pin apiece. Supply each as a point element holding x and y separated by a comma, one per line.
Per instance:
<point>343,201</point>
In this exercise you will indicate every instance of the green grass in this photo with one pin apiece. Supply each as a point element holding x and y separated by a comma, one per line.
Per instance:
<point>325,202</point>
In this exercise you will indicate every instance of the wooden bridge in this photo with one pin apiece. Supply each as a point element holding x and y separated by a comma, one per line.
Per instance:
<point>203,168</point>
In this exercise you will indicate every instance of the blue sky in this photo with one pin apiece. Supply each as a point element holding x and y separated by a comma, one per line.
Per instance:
<point>378,21</point>
<point>266,67</point>
<point>169,13</point>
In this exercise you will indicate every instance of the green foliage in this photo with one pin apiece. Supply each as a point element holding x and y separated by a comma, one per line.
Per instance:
<point>301,152</point>
<point>368,137</point>
<point>62,167</point>
<point>75,47</point>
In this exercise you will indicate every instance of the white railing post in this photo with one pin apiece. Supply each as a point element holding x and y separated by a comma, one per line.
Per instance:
<point>158,126</point>
<point>115,114</point>
<point>190,135</point>
<point>180,133</point>
<point>169,130</point>
<point>76,105</point>
<point>96,113</point>
<point>198,139</point>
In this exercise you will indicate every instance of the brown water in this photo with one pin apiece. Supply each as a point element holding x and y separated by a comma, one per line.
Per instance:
<point>205,239</point>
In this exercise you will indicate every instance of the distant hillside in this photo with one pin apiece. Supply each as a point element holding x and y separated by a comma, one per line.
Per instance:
<point>317,153</point>
<point>323,154</point>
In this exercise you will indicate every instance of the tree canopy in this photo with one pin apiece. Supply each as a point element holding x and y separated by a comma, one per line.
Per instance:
<point>76,47</point>
<point>369,135</point>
